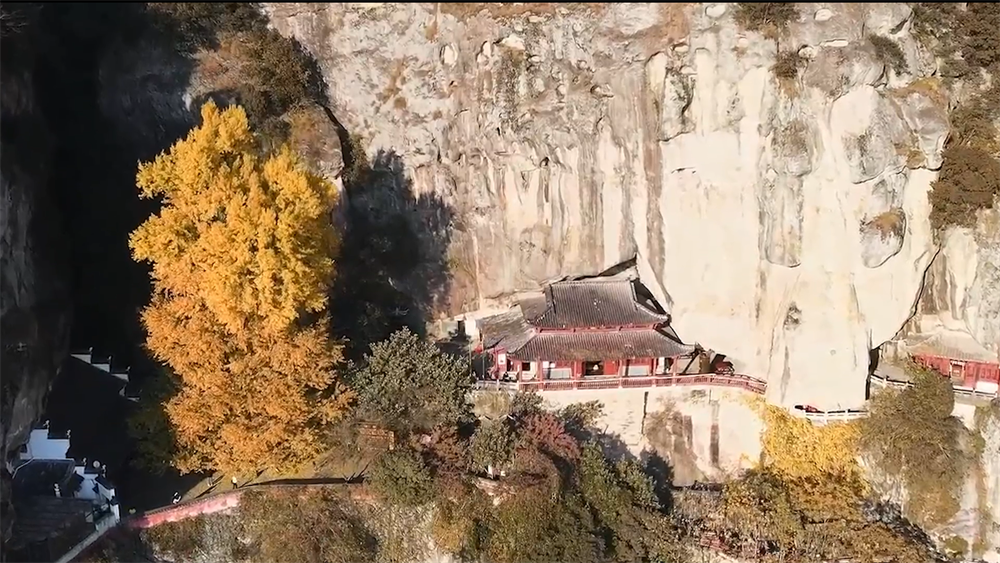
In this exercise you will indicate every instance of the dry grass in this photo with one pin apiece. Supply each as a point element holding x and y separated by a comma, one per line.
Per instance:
<point>311,134</point>
<point>930,87</point>
<point>786,71</point>
<point>889,223</point>
<point>768,18</point>
<point>911,152</point>
<point>222,68</point>
<point>787,64</point>
<point>889,53</point>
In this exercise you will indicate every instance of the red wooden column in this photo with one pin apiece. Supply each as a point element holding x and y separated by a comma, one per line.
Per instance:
<point>540,374</point>
<point>577,370</point>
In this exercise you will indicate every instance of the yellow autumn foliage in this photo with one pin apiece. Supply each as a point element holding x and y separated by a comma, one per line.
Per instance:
<point>805,501</point>
<point>795,448</point>
<point>242,254</point>
<point>247,234</point>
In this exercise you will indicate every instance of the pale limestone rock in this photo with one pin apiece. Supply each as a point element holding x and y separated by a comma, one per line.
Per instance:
<point>448,56</point>
<point>688,168</point>
<point>513,41</point>
<point>679,423</point>
<point>886,18</point>
<point>823,14</point>
<point>602,91</point>
<point>781,221</point>
<point>631,18</point>
<point>715,10</point>
<point>929,122</point>
<point>962,290</point>
<point>871,131</point>
<point>835,43</point>
<point>837,71</point>
<point>886,194</point>
<point>677,93</point>
<point>882,237</point>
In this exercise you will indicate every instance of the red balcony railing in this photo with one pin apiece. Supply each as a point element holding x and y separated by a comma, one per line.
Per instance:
<point>614,382</point>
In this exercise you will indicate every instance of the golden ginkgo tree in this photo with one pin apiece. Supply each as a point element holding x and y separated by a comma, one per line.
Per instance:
<point>243,255</point>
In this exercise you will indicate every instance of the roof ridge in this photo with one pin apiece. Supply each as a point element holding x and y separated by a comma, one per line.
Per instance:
<point>593,280</point>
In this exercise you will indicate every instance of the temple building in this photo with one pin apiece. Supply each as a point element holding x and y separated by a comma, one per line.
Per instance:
<point>585,330</point>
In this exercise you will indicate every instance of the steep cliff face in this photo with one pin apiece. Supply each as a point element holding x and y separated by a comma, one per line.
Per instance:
<point>961,297</point>
<point>782,221</point>
<point>34,306</point>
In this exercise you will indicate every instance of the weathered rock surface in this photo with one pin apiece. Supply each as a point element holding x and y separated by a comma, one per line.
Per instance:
<point>34,307</point>
<point>962,289</point>
<point>882,237</point>
<point>569,139</point>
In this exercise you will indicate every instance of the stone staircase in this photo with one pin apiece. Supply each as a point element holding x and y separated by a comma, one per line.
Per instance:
<point>105,364</point>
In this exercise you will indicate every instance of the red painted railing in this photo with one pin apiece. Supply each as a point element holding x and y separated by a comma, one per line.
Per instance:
<point>172,513</point>
<point>219,502</point>
<point>744,382</point>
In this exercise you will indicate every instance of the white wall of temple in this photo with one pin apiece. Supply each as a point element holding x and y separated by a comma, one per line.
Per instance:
<point>40,446</point>
<point>705,433</point>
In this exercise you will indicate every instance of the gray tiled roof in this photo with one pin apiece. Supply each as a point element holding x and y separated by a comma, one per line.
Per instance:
<point>594,303</point>
<point>497,328</point>
<point>583,304</point>
<point>618,345</point>
<point>43,517</point>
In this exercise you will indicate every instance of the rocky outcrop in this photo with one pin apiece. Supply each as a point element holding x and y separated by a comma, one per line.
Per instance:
<point>882,237</point>
<point>962,290</point>
<point>34,307</point>
<point>569,139</point>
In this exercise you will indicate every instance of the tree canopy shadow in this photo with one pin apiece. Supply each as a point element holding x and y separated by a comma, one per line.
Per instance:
<point>111,82</point>
<point>613,447</point>
<point>662,474</point>
<point>393,265</point>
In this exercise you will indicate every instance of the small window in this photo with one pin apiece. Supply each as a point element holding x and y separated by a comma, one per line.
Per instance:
<point>525,366</point>
<point>593,368</point>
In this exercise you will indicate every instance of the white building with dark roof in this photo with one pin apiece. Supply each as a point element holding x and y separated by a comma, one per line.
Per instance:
<point>59,500</point>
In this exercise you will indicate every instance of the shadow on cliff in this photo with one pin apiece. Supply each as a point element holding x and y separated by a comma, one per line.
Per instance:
<point>93,177</point>
<point>393,266</point>
<point>85,67</point>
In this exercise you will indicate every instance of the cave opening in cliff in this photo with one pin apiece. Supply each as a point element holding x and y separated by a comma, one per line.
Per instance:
<point>873,359</point>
